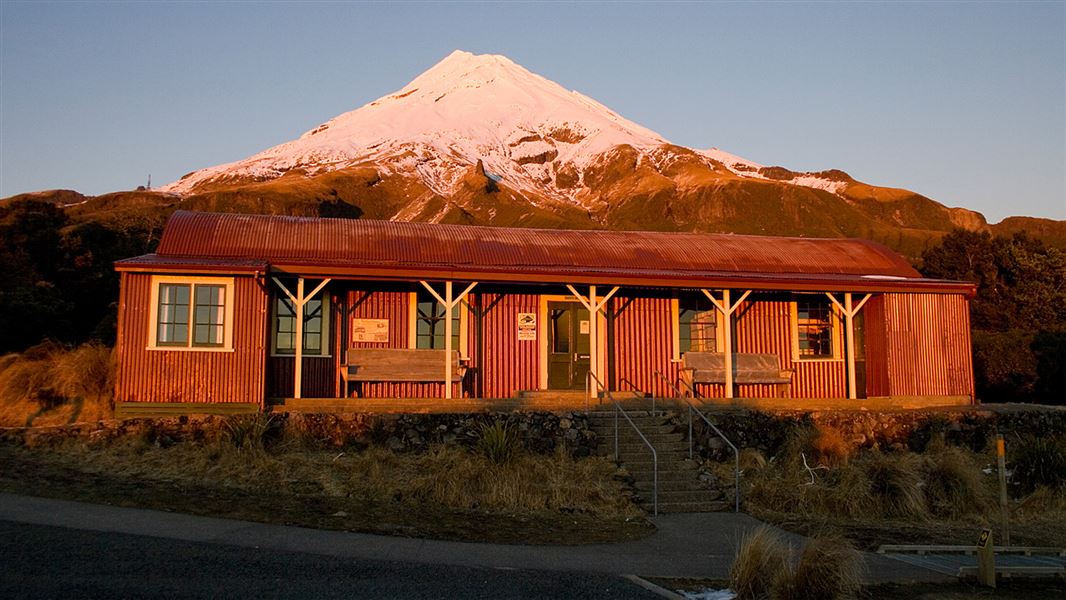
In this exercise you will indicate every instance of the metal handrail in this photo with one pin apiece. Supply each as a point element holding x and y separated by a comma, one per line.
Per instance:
<point>654,455</point>
<point>634,387</point>
<point>736,452</point>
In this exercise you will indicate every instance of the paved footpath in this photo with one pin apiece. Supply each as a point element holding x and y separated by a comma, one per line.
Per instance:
<point>697,545</point>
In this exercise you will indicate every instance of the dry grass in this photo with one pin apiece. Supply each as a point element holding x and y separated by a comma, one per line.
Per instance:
<point>896,484</point>
<point>829,568</point>
<point>828,446</point>
<point>51,384</point>
<point>446,476</point>
<point>761,557</point>
<point>954,485</point>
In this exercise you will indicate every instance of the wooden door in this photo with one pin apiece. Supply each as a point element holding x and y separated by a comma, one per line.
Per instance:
<point>568,345</point>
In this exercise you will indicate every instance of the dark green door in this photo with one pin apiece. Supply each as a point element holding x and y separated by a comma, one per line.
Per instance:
<point>568,345</point>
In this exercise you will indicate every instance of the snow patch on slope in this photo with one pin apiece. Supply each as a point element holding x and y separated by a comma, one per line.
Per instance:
<point>751,170</point>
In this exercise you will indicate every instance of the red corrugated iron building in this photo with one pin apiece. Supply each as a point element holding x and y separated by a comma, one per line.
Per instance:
<point>210,318</point>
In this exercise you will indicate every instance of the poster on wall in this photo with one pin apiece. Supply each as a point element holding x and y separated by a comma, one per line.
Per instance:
<point>527,327</point>
<point>370,330</point>
<point>584,327</point>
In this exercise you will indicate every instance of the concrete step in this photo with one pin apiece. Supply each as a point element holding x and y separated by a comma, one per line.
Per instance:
<point>681,496</point>
<point>643,462</point>
<point>687,507</point>
<point>628,447</point>
<point>679,485</point>
<point>671,475</point>
<point>624,428</point>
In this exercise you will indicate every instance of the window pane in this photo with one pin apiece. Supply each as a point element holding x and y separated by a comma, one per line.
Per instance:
<point>172,323</point>
<point>814,324</point>
<point>560,324</point>
<point>208,315</point>
<point>697,325</point>
<point>431,324</point>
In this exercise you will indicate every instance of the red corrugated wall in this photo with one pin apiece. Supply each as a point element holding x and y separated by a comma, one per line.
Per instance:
<point>506,365</point>
<point>923,343</point>
<point>190,376</point>
<point>640,341</point>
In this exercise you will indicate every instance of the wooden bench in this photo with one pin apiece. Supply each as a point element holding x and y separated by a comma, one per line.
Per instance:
<point>709,367</point>
<point>400,365</point>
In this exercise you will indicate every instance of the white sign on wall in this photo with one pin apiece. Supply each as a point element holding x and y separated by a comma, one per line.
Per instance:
<point>370,330</point>
<point>527,327</point>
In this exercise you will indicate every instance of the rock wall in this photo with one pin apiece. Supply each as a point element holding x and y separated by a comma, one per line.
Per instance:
<point>540,432</point>
<point>897,430</point>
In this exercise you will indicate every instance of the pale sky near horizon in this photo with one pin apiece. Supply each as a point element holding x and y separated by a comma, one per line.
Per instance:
<point>961,102</point>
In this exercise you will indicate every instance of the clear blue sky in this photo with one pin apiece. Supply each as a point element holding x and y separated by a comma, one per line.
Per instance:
<point>962,102</point>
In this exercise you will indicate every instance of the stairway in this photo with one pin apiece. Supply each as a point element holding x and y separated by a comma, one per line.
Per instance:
<point>680,489</point>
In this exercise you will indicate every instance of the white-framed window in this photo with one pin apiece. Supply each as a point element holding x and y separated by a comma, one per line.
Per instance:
<point>191,313</point>
<point>316,326</point>
<point>696,326</point>
<point>814,329</point>
<point>428,322</point>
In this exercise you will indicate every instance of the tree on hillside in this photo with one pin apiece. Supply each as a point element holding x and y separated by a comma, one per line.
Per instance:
<point>1018,314</point>
<point>60,282</point>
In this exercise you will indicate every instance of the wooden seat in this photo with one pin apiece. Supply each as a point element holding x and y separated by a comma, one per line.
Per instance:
<point>709,367</point>
<point>400,365</point>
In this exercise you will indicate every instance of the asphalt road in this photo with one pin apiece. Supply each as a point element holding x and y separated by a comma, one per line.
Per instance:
<point>38,561</point>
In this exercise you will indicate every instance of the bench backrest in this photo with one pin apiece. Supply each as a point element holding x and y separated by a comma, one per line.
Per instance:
<point>710,367</point>
<point>400,364</point>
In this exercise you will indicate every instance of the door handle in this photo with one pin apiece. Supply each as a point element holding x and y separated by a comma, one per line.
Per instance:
<point>581,357</point>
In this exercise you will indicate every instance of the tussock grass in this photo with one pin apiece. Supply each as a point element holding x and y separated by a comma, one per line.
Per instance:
<point>766,567</point>
<point>954,485</point>
<point>896,484</point>
<point>829,568</point>
<point>499,443</point>
<point>450,477</point>
<point>1037,461</point>
<point>762,555</point>
<point>51,384</point>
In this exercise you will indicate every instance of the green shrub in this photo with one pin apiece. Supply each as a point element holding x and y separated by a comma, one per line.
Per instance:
<point>1037,461</point>
<point>499,443</point>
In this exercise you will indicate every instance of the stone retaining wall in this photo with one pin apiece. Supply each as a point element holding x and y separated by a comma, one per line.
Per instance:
<point>540,432</point>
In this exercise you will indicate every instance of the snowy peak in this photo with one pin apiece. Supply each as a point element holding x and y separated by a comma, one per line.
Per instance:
<point>524,127</point>
<point>531,134</point>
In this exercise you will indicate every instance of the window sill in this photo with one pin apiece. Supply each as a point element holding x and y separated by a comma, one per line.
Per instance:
<point>276,355</point>
<point>817,360</point>
<point>186,349</point>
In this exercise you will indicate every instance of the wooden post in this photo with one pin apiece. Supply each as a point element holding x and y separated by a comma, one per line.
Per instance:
<point>727,309</point>
<point>986,559</point>
<point>593,354</point>
<point>448,339</point>
<point>1004,506</point>
<point>849,344</point>
<point>299,310</point>
<point>849,312</point>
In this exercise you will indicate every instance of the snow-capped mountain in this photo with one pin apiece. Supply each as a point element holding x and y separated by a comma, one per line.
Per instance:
<point>478,139</point>
<point>530,133</point>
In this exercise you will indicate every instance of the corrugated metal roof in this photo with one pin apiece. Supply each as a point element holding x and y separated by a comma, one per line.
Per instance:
<point>311,241</point>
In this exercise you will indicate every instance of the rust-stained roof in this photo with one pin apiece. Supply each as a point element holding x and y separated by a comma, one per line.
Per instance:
<point>379,248</point>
